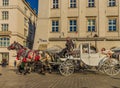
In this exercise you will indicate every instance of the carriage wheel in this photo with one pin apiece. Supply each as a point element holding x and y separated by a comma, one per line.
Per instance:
<point>66,68</point>
<point>101,67</point>
<point>111,67</point>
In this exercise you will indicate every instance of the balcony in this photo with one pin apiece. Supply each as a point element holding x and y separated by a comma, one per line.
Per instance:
<point>5,33</point>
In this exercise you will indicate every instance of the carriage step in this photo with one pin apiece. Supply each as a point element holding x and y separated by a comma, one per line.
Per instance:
<point>55,63</point>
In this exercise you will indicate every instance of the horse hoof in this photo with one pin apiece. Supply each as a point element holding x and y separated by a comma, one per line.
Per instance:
<point>24,73</point>
<point>43,73</point>
<point>19,73</point>
<point>28,72</point>
<point>50,72</point>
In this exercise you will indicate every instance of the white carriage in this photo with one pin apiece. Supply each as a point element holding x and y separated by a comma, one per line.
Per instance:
<point>104,63</point>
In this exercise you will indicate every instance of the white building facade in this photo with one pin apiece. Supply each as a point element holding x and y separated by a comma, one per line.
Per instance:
<point>94,21</point>
<point>14,26</point>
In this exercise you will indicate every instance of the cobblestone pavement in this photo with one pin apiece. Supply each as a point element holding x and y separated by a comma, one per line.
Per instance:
<point>86,79</point>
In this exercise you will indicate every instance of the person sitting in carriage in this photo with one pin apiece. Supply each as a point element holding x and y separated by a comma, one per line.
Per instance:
<point>106,52</point>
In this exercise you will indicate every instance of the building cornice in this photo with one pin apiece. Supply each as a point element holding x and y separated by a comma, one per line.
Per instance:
<point>18,34</point>
<point>5,33</point>
<point>88,39</point>
<point>8,7</point>
<point>16,7</point>
<point>27,4</point>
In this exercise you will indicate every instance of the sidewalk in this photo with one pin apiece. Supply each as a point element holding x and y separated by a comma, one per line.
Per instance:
<point>9,79</point>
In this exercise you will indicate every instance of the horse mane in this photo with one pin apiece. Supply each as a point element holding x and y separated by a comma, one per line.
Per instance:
<point>19,46</point>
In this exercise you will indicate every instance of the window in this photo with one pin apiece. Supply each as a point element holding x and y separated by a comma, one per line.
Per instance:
<point>72,3</point>
<point>112,3</point>
<point>25,22</point>
<point>91,3</point>
<point>5,15</point>
<point>25,43</point>
<point>55,25</point>
<point>72,25</point>
<point>4,27</point>
<point>25,10</point>
<point>4,42</point>
<point>91,25</point>
<point>55,3</point>
<point>112,24</point>
<point>25,32</point>
<point>5,2</point>
<point>5,57</point>
<point>31,15</point>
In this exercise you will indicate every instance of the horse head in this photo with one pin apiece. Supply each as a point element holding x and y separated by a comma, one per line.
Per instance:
<point>15,46</point>
<point>12,46</point>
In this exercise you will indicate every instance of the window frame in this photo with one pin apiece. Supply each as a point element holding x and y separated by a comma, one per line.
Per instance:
<point>5,15</point>
<point>55,26</point>
<point>72,3</point>
<point>92,25</point>
<point>55,4</point>
<point>90,2</point>
<point>4,27</point>
<point>5,2</point>
<point>25,21</point>
<point>25,32</point>
<point>74,26</point>
<point>110,3</point>
<point>112,24</point>
<point>4,41</point>
<point>25,10</point>
<point>31,15</point>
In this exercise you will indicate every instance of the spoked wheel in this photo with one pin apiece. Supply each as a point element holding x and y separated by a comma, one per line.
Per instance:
<point>66,68</point>
<point>111,67</point>
<point>101,69</point>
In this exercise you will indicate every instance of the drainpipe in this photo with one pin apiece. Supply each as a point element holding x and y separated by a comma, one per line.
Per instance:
<point>78,17</point>
<point>118,19</point>
<point>98,19</point>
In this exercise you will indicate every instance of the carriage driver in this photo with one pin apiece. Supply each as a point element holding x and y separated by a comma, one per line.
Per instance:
<point>69,44</point>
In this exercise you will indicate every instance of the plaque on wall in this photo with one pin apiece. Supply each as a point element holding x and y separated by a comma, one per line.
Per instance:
<point>42,47</point>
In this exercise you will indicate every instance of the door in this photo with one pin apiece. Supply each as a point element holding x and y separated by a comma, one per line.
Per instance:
<point>94,59</point>
<point>4,57</point>
<point>85,56</point>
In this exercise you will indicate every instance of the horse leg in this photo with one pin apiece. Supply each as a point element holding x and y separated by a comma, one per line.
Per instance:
<point>32,67</point>
<point>20,69</point>
<point>25,68</point>
<point>49,68</point>
<point>24,71</point>
<point>29,68</point>
<point>40,68</point>
<point>43,69</point>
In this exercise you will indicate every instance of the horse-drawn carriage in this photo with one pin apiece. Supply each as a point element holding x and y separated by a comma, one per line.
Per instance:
<point>83,57</point>
<point>70,60</point>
